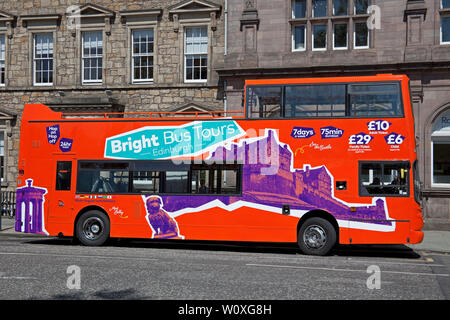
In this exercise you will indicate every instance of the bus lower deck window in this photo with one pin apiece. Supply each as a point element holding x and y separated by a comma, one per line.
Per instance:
<point>384,179</point>
<point>158,177</point>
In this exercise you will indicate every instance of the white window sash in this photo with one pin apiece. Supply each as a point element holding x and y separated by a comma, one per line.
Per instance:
<point>91,57</point>
<point>293,38</point>
<point>326,40</point>
<point>354,39</point>
<point>50,49</point>
<point>137,55</point>
<point>433,184</point>
<point>441,34</point>
<point>200,41</point>
<point>334,38</point>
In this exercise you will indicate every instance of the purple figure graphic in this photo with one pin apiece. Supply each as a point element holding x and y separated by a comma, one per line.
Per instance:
<point>164,227</point>
<point>29,209</point>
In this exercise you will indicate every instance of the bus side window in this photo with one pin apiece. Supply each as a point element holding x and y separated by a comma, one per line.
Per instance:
<point>375,100</point>
<point>306,101</point>
<point>264,101</point>
<point>63,175</point>
<point>384,179</point>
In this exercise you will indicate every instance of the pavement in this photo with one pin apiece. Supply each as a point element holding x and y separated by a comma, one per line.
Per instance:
<point>433,241</point>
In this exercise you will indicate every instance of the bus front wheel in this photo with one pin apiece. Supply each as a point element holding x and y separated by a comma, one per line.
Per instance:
<point>92,228</point>
<point>316,236</point>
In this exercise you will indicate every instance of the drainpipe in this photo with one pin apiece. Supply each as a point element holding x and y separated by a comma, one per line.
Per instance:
<point>225,54</point>
<point>226,28</point>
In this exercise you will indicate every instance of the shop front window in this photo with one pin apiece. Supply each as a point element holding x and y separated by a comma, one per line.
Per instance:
<point>440,151</point>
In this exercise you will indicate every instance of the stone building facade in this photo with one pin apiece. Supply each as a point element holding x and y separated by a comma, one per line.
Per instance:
<point>316,38</point>
<point>106,56</point>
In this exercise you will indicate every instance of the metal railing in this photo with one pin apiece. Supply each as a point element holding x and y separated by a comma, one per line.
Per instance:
<point>8,203</point>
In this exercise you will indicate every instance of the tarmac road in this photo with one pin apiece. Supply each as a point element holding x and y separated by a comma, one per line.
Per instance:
<point>34,267</point>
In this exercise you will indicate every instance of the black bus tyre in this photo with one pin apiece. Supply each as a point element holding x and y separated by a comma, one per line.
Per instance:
<point>316,236</point>
<point>92,228</point>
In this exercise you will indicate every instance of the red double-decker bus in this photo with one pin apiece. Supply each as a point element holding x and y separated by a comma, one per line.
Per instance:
<point>315,161</point>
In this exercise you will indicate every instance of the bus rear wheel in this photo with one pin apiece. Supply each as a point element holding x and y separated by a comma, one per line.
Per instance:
<point>316,236</point>
<point>92,228</point>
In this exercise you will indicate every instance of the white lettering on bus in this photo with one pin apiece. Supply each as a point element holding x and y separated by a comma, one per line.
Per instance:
<point>136,146</point>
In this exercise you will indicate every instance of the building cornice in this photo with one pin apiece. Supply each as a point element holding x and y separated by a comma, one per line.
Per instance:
<point>330,69</point>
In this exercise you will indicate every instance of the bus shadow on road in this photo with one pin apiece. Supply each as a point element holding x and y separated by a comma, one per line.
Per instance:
<point>382,251</point>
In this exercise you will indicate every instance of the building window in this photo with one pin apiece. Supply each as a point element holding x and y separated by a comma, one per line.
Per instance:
<point>92,57</point>
<point>319,8</point>
<point>440,151</point>
<point>441,162</point>
<point>298,38</point>
<point>445,29</point>
<point>361,6</point>
<point>142,55</point>
<point>445,4</point>
<point>298,9</point>
<point>43,59</point>
<point>319,37</point>
<point>361,36</point>
<point>340,7</point>
<point>2,60</point>
<point>196,54</point>
<point>340,36</point>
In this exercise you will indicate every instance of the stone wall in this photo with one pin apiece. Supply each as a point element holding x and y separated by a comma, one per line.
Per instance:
<point>168,91</point>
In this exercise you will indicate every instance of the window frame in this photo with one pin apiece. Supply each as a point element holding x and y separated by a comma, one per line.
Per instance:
<point>69,176</point>
<point>361,187</point>
<point>34,60</point>
<point>354,37</point>
<point>83,80</point>
<point>334,36</point>
<point>293,2</point>
<point>441,34</point>
<point>185,54</point>
<point>132,56</point>
<point>325,48</point>
<point>313,15</point>
<point>354,8</point>
<point>437,140</point>
<point>334,11</point>
<point>304,37</point>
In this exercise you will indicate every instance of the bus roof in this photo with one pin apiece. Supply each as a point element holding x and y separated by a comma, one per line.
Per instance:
<point>378,77</point>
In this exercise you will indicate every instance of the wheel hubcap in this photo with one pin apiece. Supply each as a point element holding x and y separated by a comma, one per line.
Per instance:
<point>93,228</point>
<point>315,237</point>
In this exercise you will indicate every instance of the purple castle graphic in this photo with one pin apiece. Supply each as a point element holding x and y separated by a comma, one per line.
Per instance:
<point>163,225</point>
<point>301,189</point>
<point>29,209</point>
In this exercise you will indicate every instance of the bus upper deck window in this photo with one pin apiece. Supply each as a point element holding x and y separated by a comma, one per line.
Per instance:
<point>375,100</point>
<point>317,100</point>
<point>264,101</point>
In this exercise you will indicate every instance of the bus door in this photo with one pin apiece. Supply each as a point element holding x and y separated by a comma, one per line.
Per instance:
<point>63,193</point>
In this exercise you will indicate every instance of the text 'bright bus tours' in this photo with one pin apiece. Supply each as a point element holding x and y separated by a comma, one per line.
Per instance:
<point>314,161</point>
